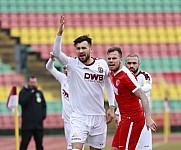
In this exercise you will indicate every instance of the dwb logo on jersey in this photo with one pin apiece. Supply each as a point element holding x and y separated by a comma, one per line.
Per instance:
<point>93,77</point>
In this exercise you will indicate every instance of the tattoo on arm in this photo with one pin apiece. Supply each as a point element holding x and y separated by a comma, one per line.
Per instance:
<point>144,101</point>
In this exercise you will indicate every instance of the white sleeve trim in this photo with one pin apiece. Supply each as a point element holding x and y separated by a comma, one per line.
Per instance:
<point>136,89</point>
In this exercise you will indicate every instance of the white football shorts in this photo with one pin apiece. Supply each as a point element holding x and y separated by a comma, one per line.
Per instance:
<point>89,129</point>
<point>145,140</point>
<point>67,129</point>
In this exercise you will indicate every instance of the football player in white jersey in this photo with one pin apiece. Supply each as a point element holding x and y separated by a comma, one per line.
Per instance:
<point>87,79</point>
<point>66,108</point>
<point>145,81</point>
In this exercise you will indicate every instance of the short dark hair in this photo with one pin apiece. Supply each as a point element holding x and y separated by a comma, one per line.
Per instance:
<point>83,38</point>
<point>113,49</point>
<point>32,77</point>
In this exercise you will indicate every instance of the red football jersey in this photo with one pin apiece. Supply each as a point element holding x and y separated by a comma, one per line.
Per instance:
<point>125,84</point>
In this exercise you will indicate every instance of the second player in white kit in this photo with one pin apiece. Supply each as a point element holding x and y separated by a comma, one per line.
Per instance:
<point>66,108</point>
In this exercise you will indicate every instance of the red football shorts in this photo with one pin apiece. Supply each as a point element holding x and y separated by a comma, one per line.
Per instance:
<point>127,134</point>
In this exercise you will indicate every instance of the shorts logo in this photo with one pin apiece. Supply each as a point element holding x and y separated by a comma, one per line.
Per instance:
<point>75,137</point>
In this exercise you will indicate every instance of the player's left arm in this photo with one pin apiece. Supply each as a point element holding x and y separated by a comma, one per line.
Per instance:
<point>110,95</point>
<point>145,104</point>
<point>51,68</point>
<point>57,47</point>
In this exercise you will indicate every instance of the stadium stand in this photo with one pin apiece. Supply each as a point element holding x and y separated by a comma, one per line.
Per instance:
<point>4,68</point>
<point>53,121</point>
<point>149,28</point>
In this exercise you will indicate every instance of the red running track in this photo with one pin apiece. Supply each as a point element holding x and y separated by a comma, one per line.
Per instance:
<point>58,142</point>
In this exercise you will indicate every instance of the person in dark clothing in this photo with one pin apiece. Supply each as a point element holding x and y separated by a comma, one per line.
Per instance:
<point>33,107</point>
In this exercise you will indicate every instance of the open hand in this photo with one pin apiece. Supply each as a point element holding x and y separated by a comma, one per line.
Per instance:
<point>150,123</point>
<point>52,56</point>
<point>110,114</point>
<point>61,27</point>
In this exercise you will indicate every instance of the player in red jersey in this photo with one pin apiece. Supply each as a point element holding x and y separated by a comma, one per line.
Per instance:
<point>127,93</point>
<point>145,81</point>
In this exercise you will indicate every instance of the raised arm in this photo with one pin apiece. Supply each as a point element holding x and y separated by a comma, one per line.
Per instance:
<point>50,67</point>
<point>57,47</point>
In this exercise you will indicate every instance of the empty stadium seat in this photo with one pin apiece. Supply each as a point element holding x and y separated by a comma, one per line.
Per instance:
<point>4,68</point>
<point>6,79</point>
<point>53,121</point>
<point>7,121</point>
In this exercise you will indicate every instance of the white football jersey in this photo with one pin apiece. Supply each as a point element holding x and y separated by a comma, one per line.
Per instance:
<point>66,108</point>
<point>86,83</point>
<point>145,81</point>
<point>87,86</point>
<point>63,80</point>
